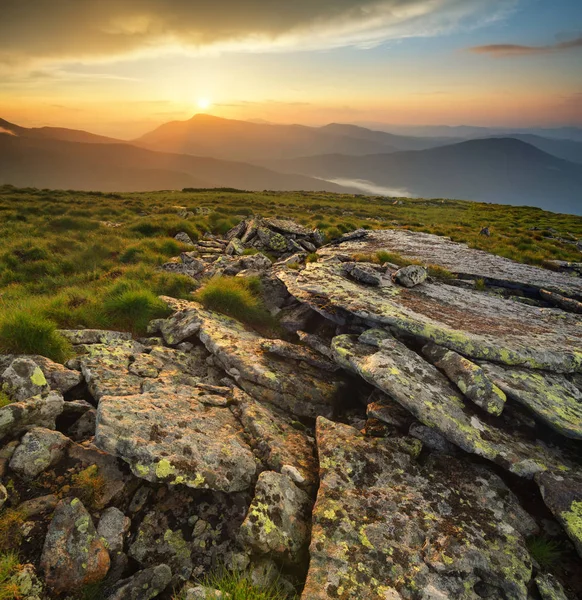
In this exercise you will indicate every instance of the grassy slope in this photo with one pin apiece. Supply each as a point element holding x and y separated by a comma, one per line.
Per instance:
<point>60,257</point>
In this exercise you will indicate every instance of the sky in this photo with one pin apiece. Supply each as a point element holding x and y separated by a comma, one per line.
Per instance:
<point>123,67</point>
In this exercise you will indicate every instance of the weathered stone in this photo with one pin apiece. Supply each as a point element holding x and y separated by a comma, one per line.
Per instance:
<point>296,317</point>
<point>73,556</point>
<point>461,260</point>
<point>272,240</point>
<point>431,438</point>
<point>23,379</point>
<point>3,495</point>
<point>562,302</point>
<point>300,353</point>
<point>184,238</point>
<point>303,391</point>
<point>550,588</point>
<point>428,395</point>
<point>106,369</point>
<point>410,276</point>
<point>363,273</point>
<point>200,447</point>
<point>6,453</point>
<point>316,342</point>
<point>562,494</point>
<point>468,377</point>
<point>191,269</point>
<point>144,585</point>
<point>146,365</point>
<point>112,528</point>
<point>39,449</point>
<point>58,377</point>
<point>94,336</point>
<point>84,426</point>
<point>201,592</point>
<point>156,543</point>
<point>277,521</point>
<point>275,438</point>
<point>235,247</point>
<point>476,325</point>
<point>38,506</point>
<point>551,397</point>
<point>386,527</point>
<point>40,411</point>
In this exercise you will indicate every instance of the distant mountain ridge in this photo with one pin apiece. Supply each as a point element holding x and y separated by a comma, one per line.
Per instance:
<point>501,170</point>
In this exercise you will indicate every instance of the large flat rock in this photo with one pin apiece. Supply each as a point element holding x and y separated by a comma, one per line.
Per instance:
<point>474,324</point>
<point>460,259</point>
<point>291,384</point>
<point>386,527</point>
<point>186,436</point>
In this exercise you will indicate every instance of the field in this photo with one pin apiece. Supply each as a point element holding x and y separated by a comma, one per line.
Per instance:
<point>77,259</point>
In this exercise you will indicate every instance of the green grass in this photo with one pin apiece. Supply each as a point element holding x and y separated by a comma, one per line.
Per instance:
<point>4,399</point>
<point>25,333</point>
<point>9,566</point>
<point>547,552</point>
<point>61,262</point>
<point>239,586</point>
<point>237,297</point>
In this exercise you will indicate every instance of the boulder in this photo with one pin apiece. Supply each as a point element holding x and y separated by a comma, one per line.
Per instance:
<point>144,585</point>
<point>156,543</point>
<point>200,446</point>
<point>460,259</point>
<point>550,588</point>
<point>235,247</point>
<point>184,238</point>
<point>23,379</point>
<point>40,411</point>
<point>277,521</point>
<point>476,325</point>
<point>388,527</point>
<point>112,528</point>
<point>468,377</point>
<point>39,449</point>
<point>551,397</point>
<point>73,555</point>
<point>58,377</point>
<point>410,276</point>
<point>362,272</point>
<point>94,336</point>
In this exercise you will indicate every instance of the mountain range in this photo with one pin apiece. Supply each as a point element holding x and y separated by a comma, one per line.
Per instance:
<point>207,151</point>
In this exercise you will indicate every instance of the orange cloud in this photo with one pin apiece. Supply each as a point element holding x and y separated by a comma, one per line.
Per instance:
<point>520,50</point>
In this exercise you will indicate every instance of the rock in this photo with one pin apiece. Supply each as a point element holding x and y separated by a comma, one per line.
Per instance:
<point>184,238</point>
<point>191,269</point>
<point>201,446</point>
<point>84,426</point>
<point>426,393</point>
<point>39,449</point>
<point>468,377</point>
<point>562,302</point>
<point>112,528</point>
<point>146,365</point>
<point>316,342</point>
<point>460,260</point>
<point>156,544</point>
<point>385,526</point>
<point>94,336</point>
<point>296,317</point>
<point>362,272</point>
<point>235,247</point>
<point>476,325</point>
<point>275,439</point>
<point>549,587</point>
<point>38,506</point>
<point>24,379</point>
<point>106,369</point>
<point>73,556</point>
<point>277,521</point>
<point>58,377</point>
<point>6,453</point>
<point>3,495</point>
<point>144,585</point>
<point>272,240</point>
<point>552,398</point>
<point>300,353</point>
<point>201,592</point>
<point>40,411</point>
<point>383,408</point>
<point>485,231</point>
<point>410,276</point>
<point>431,438</point>
<point>302,391</point>
<point>562,494</point>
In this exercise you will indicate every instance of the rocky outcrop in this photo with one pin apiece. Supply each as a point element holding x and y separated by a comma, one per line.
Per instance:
<point>73,555</point>
<point>201,446</point>
<point>385,526</point>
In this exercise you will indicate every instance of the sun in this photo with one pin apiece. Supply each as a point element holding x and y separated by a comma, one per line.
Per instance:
<point>204,103</point>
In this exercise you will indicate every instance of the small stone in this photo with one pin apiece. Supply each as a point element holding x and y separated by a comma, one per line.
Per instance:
<point>184,238</point>
<point>39,449</point>
<point>3,495</point>
<point>550,588</point>
<point>410,276</point>
<point>144,585</point>
<point>24,379</point>
<point>73,555</point>
<point>293,474</point>
<point>112,528</point>
<point>38,506</point>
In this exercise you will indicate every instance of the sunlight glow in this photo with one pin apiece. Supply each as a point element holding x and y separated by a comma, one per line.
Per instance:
<point>204,103</point>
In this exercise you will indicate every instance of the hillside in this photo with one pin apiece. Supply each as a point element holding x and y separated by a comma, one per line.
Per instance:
<point>47,163</point>
<point>205,135</point>
<point>500,170</point>
<point>57,133</point>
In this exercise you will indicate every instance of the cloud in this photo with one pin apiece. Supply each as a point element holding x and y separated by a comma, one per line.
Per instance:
<point>64,30</point>
<point>519,50</point>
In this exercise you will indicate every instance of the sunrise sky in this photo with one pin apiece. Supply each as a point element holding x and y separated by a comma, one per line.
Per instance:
<point>122,67</point>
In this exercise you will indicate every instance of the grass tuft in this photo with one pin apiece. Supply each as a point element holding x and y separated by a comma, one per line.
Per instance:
<point>9,566</point>
<point>11,522</point>
<point>547,552</point>
<point>25,333</point>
